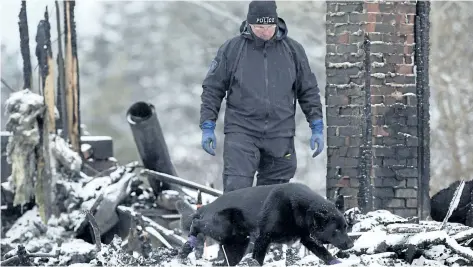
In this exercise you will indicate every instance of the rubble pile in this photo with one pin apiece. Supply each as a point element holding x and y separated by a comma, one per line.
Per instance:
<point>389,240</point>
<point>382,239</point>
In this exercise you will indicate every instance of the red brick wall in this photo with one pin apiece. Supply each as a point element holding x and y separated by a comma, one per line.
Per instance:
<point>393,159</point>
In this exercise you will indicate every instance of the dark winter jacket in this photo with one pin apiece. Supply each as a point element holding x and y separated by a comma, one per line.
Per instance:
<point>260,95</point>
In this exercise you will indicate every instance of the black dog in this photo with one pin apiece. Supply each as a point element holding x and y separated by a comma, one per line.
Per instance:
<point>440,202</point>
<point>270,214</point>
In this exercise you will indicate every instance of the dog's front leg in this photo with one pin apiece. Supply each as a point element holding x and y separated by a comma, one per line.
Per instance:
<point>234,252</point>
<point>192,240</point>
<point>260,248</point>
<point>251,244</point>
<point>319,250</point>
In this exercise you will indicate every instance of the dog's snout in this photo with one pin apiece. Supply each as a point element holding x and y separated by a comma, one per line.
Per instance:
<point>346,245</point>
<point>350,244</point>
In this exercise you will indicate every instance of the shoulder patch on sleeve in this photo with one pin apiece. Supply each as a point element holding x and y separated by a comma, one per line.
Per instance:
<point>213,65</point>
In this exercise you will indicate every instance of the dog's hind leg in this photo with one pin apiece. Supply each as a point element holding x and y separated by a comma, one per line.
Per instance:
<point>269,225</point>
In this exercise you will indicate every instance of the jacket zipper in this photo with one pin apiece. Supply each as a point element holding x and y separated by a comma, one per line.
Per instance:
<point>266,89</point>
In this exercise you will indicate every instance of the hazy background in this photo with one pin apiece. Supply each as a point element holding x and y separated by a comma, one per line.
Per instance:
<point>159,51</point>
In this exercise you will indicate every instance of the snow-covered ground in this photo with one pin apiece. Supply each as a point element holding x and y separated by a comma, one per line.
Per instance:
<point>385,240</point>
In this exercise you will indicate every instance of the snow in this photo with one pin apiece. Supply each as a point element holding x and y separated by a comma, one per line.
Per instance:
<point>88,138</point>
<point>405,134</point>
<point>347,86</point>
<point>23,108</point>
<point>378,75</point>
<point>380,231</point>
<point>438,252</point>
<point>377,64</point>
<point>345,65</point>
<point>335,14</point>
<point>428,237</point>
<point>367,242</point>
<point>375,218</point>
<point>64,154</point>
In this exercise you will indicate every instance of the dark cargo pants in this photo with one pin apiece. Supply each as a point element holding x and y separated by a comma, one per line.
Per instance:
<point>243,155</point>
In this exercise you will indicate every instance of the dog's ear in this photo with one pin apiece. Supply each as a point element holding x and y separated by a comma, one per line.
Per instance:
<point>316,217</point>
<point>340,203</point>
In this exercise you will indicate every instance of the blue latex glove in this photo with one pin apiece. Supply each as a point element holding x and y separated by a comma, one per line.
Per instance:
<point>334,261</point>
<point>209,141</point>
<point>317,127</point>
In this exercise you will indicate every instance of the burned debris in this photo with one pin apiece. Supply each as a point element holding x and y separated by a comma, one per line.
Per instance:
<point>90,215</point>
<point>387,239</point>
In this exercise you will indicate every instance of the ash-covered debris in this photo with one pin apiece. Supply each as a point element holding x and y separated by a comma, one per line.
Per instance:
<point>384,239</point>
<point>387,239</point>
<point>116,254</point>
<point>70,161</point>
<point>29,231</point>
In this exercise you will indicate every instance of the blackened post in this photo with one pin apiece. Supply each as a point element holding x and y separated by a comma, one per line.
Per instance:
<point>43,183</point>
<point>365,193</point>
<point>61,95</point>
<point>422,27</point>
<point>45,61</point>
<point>72,95</point>
<point>76,115</point>
<point>25,47</point>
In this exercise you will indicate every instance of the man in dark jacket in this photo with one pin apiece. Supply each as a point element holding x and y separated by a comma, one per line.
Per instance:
<point>262,72</point>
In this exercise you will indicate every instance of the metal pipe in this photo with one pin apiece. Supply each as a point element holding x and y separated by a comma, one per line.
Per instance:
<point>149,139</point>
<point>183,182</point>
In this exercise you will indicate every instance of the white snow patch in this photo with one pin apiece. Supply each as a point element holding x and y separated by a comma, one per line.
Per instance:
<point>344,65</point>
<point>378,75</point>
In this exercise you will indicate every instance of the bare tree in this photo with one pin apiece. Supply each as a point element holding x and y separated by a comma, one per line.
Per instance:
<point>452,92</point>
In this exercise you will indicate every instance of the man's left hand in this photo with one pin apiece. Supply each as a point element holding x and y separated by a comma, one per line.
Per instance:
<point>317,127</point>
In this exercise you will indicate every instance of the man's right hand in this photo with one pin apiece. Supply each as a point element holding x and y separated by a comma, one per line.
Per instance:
<point>209,141</point>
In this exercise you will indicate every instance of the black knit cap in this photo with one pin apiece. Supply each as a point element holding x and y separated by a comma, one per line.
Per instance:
<point>262,12</point>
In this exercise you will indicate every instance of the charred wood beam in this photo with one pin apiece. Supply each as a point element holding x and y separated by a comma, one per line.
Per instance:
<point>158,236</point>
<point>7,85</point>
<point>61,95</point>
<point>95,228</point>
<point>23,256</point>
<point>45,61</point>
<point>166,233</point>
<point>43,186</point>
<point>25,47</point>
<point>72,94</point>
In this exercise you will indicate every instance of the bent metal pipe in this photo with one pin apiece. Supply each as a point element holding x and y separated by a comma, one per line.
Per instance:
<point>167,178</point>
